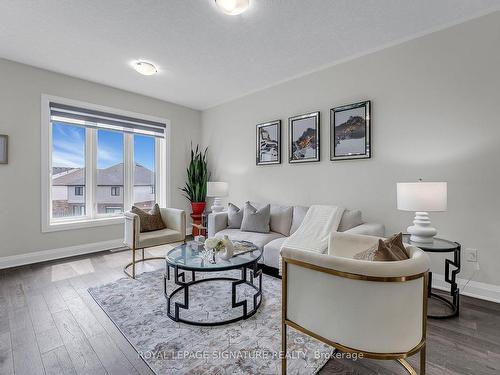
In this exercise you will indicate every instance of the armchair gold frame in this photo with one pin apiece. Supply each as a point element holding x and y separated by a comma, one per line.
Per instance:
<point>143,258</point>
<point>399,357</point>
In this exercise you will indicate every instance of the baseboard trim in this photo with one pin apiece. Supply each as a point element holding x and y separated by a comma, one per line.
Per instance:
<point>475,289</point>
<point>63,252</point>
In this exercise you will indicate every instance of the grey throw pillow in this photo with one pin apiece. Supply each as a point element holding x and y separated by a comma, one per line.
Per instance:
<point>350,219</point>
<point>256,220</point>
<point>281,219</point>
<point>234,216</point>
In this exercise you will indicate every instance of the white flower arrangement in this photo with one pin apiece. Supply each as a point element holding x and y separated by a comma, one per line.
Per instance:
<point>214,244</point>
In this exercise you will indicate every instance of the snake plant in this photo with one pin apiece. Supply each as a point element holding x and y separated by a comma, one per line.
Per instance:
<point>197,176</point>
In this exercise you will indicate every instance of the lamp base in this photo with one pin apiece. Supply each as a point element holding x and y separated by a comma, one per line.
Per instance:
<point>217,206</point>
<point>421,231</point>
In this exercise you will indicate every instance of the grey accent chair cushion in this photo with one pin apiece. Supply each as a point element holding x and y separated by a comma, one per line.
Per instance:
<point>234,216</point>
<point>256,220</point>
<point>350,219</point>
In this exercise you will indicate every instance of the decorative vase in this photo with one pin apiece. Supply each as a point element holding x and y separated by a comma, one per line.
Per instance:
<point>198,207</point>
<point>229,248</point>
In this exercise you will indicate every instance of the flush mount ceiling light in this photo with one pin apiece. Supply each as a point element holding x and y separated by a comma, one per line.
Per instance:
<point>145,68</point>
<point>233,7</point>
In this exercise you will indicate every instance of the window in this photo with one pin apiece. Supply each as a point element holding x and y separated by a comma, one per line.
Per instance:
<point>115,191</point>
<point>114,210</point>
<point>68,170</point>
<point>100,163</point>
<point>110,173</point>
<point>144,171</point>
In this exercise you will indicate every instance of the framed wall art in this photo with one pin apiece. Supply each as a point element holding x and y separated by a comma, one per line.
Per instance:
<point>4,149</point>
<point>268,146</point>
<point>303,138</point>
<point>350,132</point>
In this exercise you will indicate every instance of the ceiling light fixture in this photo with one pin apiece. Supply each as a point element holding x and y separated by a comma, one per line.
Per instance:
<point>233,7</point>
<point>145,68</point>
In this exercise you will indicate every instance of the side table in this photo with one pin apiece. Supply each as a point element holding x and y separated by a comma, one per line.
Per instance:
<point>450,275</point>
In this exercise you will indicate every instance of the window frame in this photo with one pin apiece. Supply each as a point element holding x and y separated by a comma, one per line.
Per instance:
<point>92,218</point>
<point>115,191</point>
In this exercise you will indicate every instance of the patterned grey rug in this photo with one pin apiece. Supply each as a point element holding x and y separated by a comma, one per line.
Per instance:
<point>139,309</point>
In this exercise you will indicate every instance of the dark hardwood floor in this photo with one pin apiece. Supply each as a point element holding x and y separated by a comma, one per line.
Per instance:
<point>49,324</point>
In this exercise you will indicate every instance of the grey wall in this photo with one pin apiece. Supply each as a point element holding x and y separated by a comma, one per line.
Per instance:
<point>436,103</point>
<point>21,87</point>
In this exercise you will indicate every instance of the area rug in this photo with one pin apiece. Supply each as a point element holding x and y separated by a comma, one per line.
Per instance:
<point>252,346</point>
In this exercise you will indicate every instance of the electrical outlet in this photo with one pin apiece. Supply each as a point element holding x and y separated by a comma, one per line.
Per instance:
<point>471,255</point>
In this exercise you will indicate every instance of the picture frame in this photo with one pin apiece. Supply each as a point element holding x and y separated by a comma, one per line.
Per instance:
<point>268,143</point>
<point>304,138</point>
<point>350,131</point>
<point>4,149</point>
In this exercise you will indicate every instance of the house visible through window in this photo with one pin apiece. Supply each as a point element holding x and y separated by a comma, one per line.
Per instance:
<point>90,167</point>
<point>115,191</point>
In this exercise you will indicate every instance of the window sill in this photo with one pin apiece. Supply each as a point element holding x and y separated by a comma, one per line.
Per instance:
<point>85,223</point>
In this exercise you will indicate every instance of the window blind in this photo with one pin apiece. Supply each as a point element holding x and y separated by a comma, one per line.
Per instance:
<point>99,119</point>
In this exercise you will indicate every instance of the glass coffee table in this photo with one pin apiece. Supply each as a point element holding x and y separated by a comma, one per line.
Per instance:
<point>184,259</point>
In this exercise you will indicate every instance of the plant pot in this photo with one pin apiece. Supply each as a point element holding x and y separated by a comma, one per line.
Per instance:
<point>198,207</point>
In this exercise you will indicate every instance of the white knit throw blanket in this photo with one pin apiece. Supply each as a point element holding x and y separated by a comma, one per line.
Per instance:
<point>314,231</point>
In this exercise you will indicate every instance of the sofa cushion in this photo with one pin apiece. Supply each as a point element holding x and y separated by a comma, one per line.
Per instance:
<point>350,219</point>
<point>258,239</point>
<point>256,220</point>
<point>272,252</point>
<point>234,216</point>
<point>281,219</point>
<point>158,237</point>
<point>299,212</point>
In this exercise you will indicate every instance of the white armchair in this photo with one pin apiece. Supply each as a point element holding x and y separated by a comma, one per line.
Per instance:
<point>378,309</point>
<point>175,231</point>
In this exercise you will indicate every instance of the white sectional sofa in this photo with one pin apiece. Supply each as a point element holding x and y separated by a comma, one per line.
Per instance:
<point>283,223</point>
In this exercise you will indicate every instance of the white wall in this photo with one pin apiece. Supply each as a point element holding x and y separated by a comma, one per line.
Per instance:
<point>436,115</point>
<point>21,87</point>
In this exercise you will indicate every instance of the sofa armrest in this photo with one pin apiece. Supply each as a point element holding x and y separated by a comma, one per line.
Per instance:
<point>130,235</point>
<point>174,219</point>
<point>369,229</point>
<point>217,221</point>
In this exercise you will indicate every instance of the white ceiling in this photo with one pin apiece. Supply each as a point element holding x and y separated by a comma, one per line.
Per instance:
<point>205,57</point>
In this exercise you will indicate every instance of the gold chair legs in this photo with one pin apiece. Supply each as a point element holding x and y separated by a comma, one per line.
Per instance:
<point>134,262</point>
<point>144,259</point>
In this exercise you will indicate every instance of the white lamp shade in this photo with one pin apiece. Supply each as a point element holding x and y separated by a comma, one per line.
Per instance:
<point>422,196</point>
<point>217,189</point>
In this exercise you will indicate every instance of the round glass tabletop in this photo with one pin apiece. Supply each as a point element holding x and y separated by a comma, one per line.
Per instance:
<point>195,258</point>
<point>438,245</point>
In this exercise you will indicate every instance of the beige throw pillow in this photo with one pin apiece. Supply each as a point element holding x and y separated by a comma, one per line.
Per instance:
<point>391,249</point>
<point>150,221</point>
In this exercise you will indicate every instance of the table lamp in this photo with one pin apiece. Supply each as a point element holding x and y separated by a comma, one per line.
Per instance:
<point>422,197</point>
<point>217,190</point>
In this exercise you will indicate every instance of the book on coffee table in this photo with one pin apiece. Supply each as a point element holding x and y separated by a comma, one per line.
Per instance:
<point>243,247</point>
